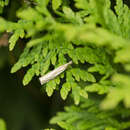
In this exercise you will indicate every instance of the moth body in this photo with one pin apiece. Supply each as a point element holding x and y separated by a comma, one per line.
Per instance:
<point>54,73</point>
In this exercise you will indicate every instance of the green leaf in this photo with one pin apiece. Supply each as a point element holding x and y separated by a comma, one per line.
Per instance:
<point>82,4</point>
<point>68,12</point>
<point>20,62</point>
<point>119,93</point>
<point>44,66</point>
<point>13,41</point>
<point>53,58</point>
<point>56,4</point>
<point>82,74</point>
<point>99,88</point>
<point>76,93</point>
<point>29,75</point>
<point>49,90</point>
<point>83,93</point>
<point>66,87</point>
<point>51,86</point>
<point>2,124</point>
<point>110,128</point>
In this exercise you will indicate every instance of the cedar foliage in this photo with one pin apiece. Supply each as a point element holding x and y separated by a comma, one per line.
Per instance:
<point>2,124</point>
<point>96,37</point>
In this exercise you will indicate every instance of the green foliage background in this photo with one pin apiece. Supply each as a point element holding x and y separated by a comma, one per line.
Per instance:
<point>95,35</point>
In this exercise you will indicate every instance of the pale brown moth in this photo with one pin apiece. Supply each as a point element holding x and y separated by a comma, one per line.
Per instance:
<point>54,73</point>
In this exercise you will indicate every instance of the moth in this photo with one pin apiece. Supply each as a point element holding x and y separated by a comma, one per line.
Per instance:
<point>54,73</point>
